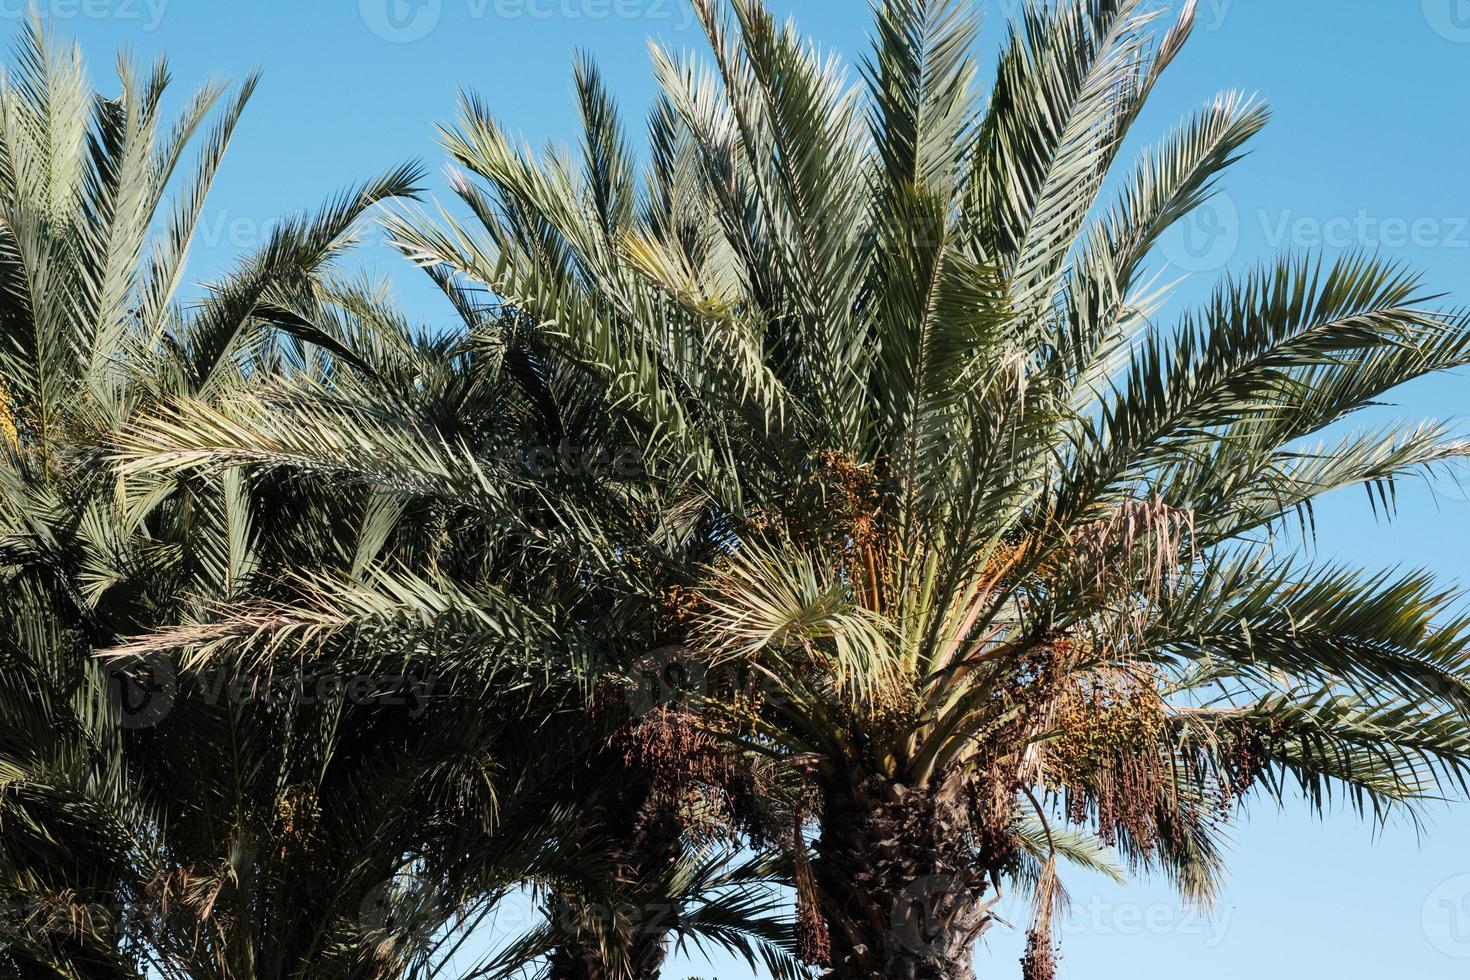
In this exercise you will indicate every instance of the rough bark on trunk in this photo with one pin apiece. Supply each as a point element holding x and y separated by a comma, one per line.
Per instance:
<point>902,889</point>
<point>575,962</point>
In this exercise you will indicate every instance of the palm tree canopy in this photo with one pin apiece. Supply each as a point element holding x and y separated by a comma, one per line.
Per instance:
<point>200,832</point>
<point>901,340</point>
<point>921,462</point>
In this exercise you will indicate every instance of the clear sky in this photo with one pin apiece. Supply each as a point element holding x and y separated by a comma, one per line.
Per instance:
<point>1369,149</point>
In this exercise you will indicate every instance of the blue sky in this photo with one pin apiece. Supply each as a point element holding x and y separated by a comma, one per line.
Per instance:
<point>1368,149</point>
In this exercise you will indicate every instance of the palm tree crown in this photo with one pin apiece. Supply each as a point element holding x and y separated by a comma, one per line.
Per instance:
<point>991,538</point>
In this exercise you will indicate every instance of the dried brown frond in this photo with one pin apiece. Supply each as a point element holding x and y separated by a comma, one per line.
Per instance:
<point>1136,548</point>
<point>63,913</point>
<point>813,940</point>
<point>1040,961</point>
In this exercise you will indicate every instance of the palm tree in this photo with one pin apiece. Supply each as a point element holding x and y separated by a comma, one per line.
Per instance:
<point>992,542</point>
<point>426,461</point>
<point>145,822</point>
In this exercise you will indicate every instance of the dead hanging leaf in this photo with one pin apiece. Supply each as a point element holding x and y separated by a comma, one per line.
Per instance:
<point>1040,961</point>
<point>813,941</point>
<point>1136,547</point>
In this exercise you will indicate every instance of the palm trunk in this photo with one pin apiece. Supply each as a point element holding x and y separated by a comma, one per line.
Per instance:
<point>645,837</point>
<point>577,963</point>
<point>581,962</point>
<point>902,890</point>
